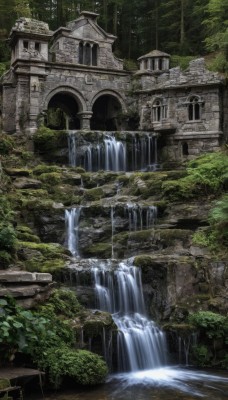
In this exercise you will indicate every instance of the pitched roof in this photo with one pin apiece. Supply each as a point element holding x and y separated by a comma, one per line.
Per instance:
<point>154,53</point>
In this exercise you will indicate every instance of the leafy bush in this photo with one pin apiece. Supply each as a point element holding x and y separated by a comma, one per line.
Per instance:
<point>83,366</point>
<point>214,325</point>
<point>206,175</point>
<point>7,237</point>
<point>47,338</point>
<point>6,144</point>
<point>219,219</point>
<point>202,355</point>
<point>64,302</point>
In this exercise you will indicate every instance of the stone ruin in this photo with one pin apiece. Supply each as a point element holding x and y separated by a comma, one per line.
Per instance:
<point>70,79</point>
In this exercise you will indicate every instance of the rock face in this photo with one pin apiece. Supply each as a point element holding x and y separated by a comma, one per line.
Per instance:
<point>26,287</point>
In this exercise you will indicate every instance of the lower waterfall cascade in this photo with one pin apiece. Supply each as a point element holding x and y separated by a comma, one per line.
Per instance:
<point>141,344</point>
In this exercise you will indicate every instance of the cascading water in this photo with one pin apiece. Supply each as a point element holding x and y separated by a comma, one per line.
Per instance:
<point>141,217</point>
<point>140,343</point>
<point>72,217</point>
<point>139,152</point>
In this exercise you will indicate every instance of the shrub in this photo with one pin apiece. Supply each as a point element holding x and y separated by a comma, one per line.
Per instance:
<point>7,237</point>
<point>84,367</point>
<point>214,325</point>
<point>6,144</point>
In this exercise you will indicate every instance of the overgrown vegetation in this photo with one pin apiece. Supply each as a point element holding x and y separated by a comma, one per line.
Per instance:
<point>47,338</point>
<point>206,176</point>
<point>212,338</point>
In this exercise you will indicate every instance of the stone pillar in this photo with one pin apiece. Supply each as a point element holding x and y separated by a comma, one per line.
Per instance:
<point>85,117</point>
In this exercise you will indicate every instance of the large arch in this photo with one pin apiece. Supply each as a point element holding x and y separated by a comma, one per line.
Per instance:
<point>107,106</point>
<point>63,107</point>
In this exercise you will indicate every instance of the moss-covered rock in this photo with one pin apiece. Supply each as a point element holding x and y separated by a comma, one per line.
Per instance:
<point>93,194</point>
<point>46,140</point>
<point>100,250</point>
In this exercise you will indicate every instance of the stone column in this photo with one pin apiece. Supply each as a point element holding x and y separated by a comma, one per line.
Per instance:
<point>85,117</point>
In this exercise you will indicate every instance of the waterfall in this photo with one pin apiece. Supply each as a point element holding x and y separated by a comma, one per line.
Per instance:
<point>134,152</point>
<point>141,217</point>
<point>140,343</point>
<point>115,154</point>
<point>72,224</point>
<point>72,149</point>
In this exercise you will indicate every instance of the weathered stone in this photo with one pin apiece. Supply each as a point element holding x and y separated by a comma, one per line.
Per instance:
<point>27,183</point>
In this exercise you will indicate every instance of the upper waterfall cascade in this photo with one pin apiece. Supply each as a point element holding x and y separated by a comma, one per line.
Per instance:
<point>109,152</point>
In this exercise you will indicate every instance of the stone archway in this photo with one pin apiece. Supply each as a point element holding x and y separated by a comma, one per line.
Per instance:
<point>107,108</point>
<point>64,108</point>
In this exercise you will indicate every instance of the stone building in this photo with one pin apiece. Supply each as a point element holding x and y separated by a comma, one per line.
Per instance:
<point>70,79</point>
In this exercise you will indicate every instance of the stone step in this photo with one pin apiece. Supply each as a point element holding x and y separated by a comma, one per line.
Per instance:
<point>24,276</point>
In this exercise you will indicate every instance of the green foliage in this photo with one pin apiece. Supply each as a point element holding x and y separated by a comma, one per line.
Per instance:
<point>219,219</point>
<point>5,259</point>
<point>84,367</point>
<point>206,238</point>
<point>213,325</point>
<point>202,355</point>
<point>219,63</point>
<point>47,337</point>
<point>2,68</point>
<point>206,175</point>
<point>6,144</point>
<point>130,65</point>
<point>64,302</point>
<point>182,61</point>
<point>7,237</point>
<point>46,139</point>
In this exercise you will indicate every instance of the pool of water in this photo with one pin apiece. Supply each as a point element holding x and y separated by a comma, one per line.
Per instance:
<point>157,384</point>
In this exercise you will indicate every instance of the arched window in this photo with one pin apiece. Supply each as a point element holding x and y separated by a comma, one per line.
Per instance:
<point>157,111</point>
<point>160,110</point>
<point>194,109</point>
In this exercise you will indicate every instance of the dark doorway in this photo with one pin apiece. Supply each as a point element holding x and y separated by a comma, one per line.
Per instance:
<point>62,112</point>
<point>106,114</point>
<point>185,149</point>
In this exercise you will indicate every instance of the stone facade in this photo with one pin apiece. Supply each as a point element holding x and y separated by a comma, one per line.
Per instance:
<point>74,72</point>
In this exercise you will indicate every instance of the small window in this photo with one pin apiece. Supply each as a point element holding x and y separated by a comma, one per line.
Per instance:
<point>87,60</point>
<point>80,53</point>
<point>160,63</point>
<point>185,149</point>
<point>25,44</point>
<point>194,109</point>
<point>37,46</point>
<point>94,54</point>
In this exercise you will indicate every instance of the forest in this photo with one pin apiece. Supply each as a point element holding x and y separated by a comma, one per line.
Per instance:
<point>179,27</point>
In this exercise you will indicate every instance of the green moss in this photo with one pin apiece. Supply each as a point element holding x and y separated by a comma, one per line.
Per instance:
<point>93,194</point>
<point>121,238</point>
<point>46,249</point>
<point>51,178</point>
<point>45,169</point>
<point>4,383</point>
<point>100,250</point>
<point>95,325</point>
<point>143,261</point>
<point>40,264</point>
<point>46,139</point>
